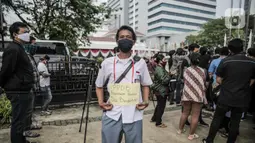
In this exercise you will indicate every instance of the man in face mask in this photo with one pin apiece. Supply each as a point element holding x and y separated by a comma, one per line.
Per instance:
<point>17,79</point>
<point>123,119</point>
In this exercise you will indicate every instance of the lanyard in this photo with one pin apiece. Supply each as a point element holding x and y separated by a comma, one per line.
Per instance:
<point>114,70</point>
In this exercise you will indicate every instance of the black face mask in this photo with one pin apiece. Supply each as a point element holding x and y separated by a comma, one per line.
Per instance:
<point>125,45</point>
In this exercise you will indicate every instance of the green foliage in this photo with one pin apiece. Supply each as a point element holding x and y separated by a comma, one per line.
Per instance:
<point>68,20</point>
<point>212,34</point>
<point>5,110</point>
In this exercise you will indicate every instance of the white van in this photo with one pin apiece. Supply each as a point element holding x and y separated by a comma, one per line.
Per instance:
<point>56,50</point>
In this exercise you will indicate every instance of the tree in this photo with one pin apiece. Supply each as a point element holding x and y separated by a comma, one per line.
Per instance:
<point>212,34</point>
<point>68,20</point>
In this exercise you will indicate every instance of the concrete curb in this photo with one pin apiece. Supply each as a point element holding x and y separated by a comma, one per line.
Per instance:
<point>96,119</point>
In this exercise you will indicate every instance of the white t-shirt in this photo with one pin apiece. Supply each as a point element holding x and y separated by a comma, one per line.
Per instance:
<point>44,81</point>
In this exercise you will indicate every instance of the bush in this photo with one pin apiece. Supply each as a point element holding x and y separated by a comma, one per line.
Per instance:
<point>5,110</point>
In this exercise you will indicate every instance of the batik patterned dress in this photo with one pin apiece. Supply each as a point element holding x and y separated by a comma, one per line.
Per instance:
<point>194,84</point>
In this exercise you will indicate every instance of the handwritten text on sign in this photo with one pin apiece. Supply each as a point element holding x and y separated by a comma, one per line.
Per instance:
<point>124,93</point>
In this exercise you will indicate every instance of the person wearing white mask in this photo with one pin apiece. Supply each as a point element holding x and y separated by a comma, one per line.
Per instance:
<point>17,80</point>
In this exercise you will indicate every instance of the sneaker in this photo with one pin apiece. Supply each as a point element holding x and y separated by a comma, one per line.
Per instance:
<point>30,134</point>
<point>203,123</point>
<point>204,141</point>
<point>43,113</point>
<point>49,111</point>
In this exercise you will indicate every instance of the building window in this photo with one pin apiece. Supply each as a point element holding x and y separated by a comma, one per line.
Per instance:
<point>198,3</point>
<point>152,1</point>
<point>180,7</point>
<point>170,29</point>
<point>190,2</point>
<point>174,21</point>
<point>178,14</point>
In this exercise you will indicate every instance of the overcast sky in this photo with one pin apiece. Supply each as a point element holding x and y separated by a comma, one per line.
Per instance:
<point>222,5</point>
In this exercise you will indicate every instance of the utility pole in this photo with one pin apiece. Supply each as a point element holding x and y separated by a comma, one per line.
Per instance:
<point>247,25</point>
<point>240,6</point>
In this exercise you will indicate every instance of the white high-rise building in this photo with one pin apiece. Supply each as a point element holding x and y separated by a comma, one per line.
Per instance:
<point>119,13</point>
<point>167,18</point>
<point>123,14</point>
<point>159,20</point>
<point>139,17</point>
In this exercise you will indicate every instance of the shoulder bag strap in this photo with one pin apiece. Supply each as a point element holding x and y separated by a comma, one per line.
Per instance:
<point>136,59</point>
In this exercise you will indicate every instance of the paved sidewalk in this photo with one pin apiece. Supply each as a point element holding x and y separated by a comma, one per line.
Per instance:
<point>152,134</point>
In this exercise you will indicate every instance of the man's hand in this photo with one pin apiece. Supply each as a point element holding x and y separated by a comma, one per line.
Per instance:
<point>142,106</point>
<point>106,106</point>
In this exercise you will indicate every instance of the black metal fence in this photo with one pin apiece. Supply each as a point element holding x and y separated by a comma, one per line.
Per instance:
<point>69,81</point>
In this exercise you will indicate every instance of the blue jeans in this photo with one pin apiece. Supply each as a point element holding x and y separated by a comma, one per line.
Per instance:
<point>47,97</point>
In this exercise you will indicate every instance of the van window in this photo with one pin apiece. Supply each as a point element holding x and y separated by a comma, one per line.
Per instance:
<point>50,48</point>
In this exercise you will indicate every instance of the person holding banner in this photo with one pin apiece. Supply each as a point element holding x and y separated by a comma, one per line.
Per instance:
<point>127,76</point>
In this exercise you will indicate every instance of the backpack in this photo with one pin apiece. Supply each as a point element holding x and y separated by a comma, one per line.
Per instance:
<point>180,69</point>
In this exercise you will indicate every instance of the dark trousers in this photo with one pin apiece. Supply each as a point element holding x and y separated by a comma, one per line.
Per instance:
<point>172,86</point>
<point>225,124</point>
<point>20,105</point>
<point>30,112</point>
<point>221,110</point>
<point>179,88</point>
<point>159,110</point>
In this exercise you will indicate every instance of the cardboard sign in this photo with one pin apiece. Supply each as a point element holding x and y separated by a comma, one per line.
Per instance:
<point>124,93</point>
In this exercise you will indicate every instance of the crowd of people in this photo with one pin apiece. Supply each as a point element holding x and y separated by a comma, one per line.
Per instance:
<point>221,81</point>
<point>21,79</point>
<point>195,78</point>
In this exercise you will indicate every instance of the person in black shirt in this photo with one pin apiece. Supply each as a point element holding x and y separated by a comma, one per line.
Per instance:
<point>17,79</point>
<point>204,58</point>
<point>251,54</point>
<point>235,74</point>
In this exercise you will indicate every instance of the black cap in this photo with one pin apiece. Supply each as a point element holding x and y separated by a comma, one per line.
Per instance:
<point>46,57</point>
